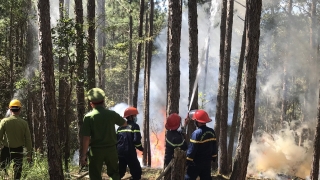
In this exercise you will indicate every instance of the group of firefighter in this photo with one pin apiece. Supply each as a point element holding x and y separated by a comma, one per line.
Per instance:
<point>117,148</point>
<point>102,144</point>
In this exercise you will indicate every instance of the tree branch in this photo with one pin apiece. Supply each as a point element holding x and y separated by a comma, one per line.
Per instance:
<point>240,3</point>
<point>302,9</point>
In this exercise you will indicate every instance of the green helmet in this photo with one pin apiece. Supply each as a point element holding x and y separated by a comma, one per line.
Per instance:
<point>96,95</point>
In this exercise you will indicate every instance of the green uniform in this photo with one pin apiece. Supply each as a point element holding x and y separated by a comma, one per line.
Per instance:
<point>99,124</point>
<point>14,132</point>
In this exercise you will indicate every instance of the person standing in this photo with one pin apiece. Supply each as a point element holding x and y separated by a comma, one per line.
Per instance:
<point>202,148</point>
<point>98,131</point>
<point>129,139</point>
<point>174,138</point>
<point>15,134</point>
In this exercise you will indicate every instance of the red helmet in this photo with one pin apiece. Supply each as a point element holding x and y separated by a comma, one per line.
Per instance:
<point>173,121</point>
<point>201,116</point>
<point>130,111</point>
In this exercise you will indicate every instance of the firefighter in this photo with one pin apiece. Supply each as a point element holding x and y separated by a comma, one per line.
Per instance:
<point>174,138</point>
<point>129,139</point>
<point>98,131</point>
<point>202,148</point>
<point>15,134</point>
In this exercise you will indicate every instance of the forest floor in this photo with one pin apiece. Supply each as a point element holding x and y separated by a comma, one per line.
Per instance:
<point>153,173</point>
<point>147,174</point>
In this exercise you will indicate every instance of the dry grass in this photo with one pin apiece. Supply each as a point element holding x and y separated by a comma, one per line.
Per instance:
<point>153,173</point>
<point>150,173</point>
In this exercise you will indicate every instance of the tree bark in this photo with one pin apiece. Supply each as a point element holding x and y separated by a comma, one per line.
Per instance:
<point>65,86</point>
<point>130,58</point>
<point>80,67</point>
<point>138,60</point>
<point>223,168</point>
<point>91,44</point>
<point>167,53</point>
<point>173,63</point>
<point>68,121</point>
<point>29,113</point>
<point>248,101</point>
<point>193,61</point>
<point>223,23</point>
<point>150,48</point>
<point>147,67</point>
<point>316,147</point>
<point>146,98</point>
<point>48,91</point>
<point>31,39</point>
<point>62,88</point>
<point>11,48</point>
<point>147,74</point>
<point>236,100</point>
<point>38,124</point>
<point>101,38</point>
<point>178,167</point>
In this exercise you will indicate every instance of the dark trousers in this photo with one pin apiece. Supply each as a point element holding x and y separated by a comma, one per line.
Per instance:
<point>202,170</point>
<point>134,166</point>
<point>15,155</point>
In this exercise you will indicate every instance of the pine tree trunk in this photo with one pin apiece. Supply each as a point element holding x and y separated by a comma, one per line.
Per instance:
<point>101,38</point>
<point>138,60</point>
<point>223,168</point>
<point>38,124</point>
<point>91,44</point>
<point>146,98</point>
<point>150,47</point>
<point>48,91</point>
<point>67,122</point>
<point>248,101</point>
<point>41,125</point>
<point>167,53</point>
<point>62,88</point>
<point>236,100</point>
<point>30,38</point>
<point>173,62</point>
<point>35,123</point>
<point>80,67</point>
<point>29,113</point>
<point>130,59</point>
<point>316,147</point>
<point>178,167</point>
<point>18,47</point>
<point>223,23</point>
<point>10,50</point>
<point>193,61</point>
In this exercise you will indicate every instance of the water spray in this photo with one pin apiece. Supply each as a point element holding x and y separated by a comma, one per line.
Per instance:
<point>192,97</point>
<point>213,11</point>
<point>195,84</point>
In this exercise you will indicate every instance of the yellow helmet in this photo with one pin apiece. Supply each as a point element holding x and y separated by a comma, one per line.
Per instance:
<point>14,103</point>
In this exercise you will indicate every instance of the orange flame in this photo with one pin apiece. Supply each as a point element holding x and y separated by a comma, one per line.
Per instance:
<point>157,146</point>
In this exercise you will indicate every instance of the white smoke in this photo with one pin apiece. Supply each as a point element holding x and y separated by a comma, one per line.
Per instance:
<point>278,153</point>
